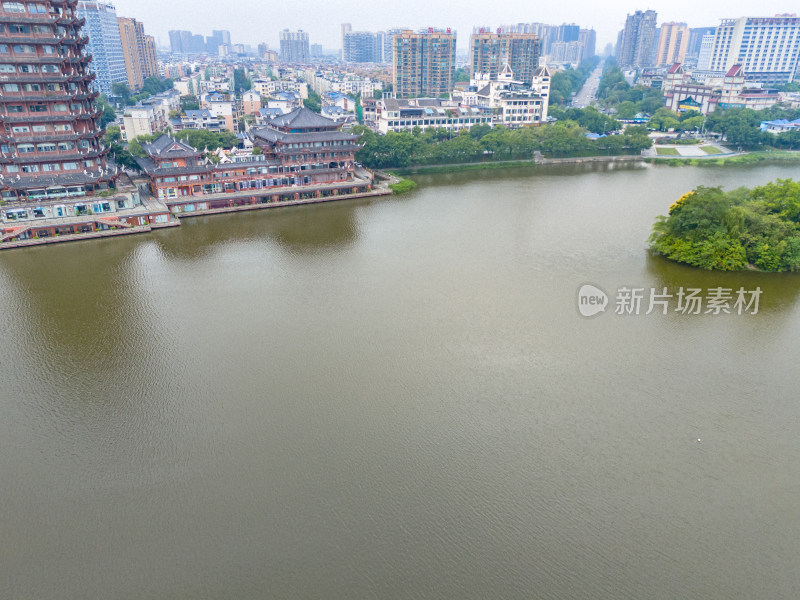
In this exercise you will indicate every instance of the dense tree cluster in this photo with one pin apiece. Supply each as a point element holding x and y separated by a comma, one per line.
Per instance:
<point>313,102</point>
<point>241,83</point>
<point>712,229</point>
<point>628,101</point>
<point>109,115</point>
<point>189,103</point>
<point>483,143</point>
<point>151,87</point>
<point>589,118</point>
<point>202,139</point>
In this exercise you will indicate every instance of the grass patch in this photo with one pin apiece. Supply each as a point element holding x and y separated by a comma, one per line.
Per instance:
<point>403,187</point>
<point>710,149</point>
<point>667,152</point>
<point>744,159</point>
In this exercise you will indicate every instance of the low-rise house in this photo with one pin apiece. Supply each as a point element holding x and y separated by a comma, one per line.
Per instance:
<point>251,102</point>
<point>202,119</point>
<point>223,106</point>
<point>780,126</point>
<point>406,114</point>
<point>513,103</point>
<point>267,114</point>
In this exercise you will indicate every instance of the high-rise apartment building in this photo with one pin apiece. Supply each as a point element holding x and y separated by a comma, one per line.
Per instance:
<point>50,129</point>
<point>696,40</point>
<point>635,46</point>
<point>346,28</point>
<point>706,51</point>
<point>223,35</point>
<point>489,52</point>
<point>363,47</point>
<point>180,41</point>
<point>139,52</point>
<point>673,40</point>
<point>768,48</point>
<point>568,33</point>
<point>294,47</point>
<point>588,39</point>
<point>104,44</point>
<point>388,43</point>
<point>424,62</point>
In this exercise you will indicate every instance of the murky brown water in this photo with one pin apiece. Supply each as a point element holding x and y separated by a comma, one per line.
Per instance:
<point>397,398</point>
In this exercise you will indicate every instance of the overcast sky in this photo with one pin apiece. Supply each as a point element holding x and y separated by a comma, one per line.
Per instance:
<point>255,21</point>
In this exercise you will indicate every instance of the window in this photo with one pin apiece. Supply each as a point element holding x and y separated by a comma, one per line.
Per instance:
<point>12,169</point>
<point>21,129</point>
<point>37,108</point>
<point>51,167</point>
<point>49,68</point>
<point>66,145</point>
<point>48,49</point>
<point>60,107</point>
<point>24,49</point>
<point>28,69</point>
<point>25,148</point>
<point>10,87</point>
<point>14,7</point>
<point>16,108</point>
<point>49,147</point>
<point>68,166</point>
<point>37,8</point>
<point>65,127</point>
<point>19,29</point>
<point>3,49</point>
<point>7,69</point>
<point>30,168</point>
<point>39,128</point>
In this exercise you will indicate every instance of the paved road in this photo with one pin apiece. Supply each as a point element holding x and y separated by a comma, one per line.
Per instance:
<point>588,92</point>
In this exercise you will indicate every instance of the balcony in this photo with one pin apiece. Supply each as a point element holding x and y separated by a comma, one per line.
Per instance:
<point>32,78</point>
<point>60,155</point>
<point>34,19</point>
<point>38,118</point>
<point>37,97</point>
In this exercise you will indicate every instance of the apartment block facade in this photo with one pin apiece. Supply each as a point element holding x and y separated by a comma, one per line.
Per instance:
<point>104,44</point>
<point>294,47</point>
<point>489,52</point>
<point>673,41</point>
<point>424,62</point>
<point>139,52</point>
<point>767,48</point>
<point>635,47</point>
<point>363,47</point>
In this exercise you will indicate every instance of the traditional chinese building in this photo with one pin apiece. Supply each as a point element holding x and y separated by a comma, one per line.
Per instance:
<point>301,155</point>
<point>54,176</point>
<point>50,130</point>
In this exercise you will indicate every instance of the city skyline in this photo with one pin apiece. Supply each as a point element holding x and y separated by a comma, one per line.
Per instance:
<point>322,20</point>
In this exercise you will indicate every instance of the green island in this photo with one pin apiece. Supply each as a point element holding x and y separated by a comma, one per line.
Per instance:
<point>742,229</point>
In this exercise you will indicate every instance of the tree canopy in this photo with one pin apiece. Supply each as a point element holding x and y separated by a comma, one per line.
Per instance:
<point>483,143</point>
<point>729,231</point>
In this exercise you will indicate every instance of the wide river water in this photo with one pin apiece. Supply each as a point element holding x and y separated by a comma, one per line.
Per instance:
<point>398,398</point>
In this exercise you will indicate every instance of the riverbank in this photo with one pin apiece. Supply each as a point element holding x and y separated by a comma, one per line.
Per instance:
<point>512,164</point>
<point>740,158</point>
<point>672,160</point>
<point>154,214</point>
